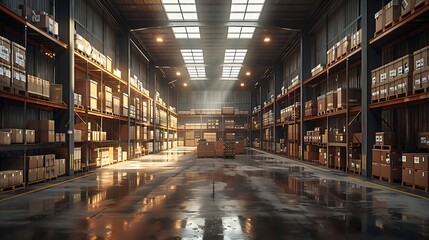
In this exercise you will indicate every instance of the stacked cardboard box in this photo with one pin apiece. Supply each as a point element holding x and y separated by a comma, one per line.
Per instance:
<point>77,99</point>
<point>311,154</point>
<point>76,162</point>
<point>16,135</point>
<point>421,70</point>
<point>321,104</point>
<point>229,150</point>
<point>386,158</point>
<point>423,140</point>
<point>268,118</point>
<point>5,59</point>
<point>219,148</point>
<point>210,137</point>
<point>36,170</point>
<point>331,101</point>
<point>293,132</point>
<point>19,76</point>
<point>239,147</point>
<point>125,105</point>
<point>45,130</point>
<point>354,97</point>
<point>11,178</point>
<point>415,168</point>
<point>205,149</point>
<point>310,108</point>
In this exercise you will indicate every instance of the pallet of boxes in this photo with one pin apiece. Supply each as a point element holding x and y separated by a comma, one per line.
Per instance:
<point>415,166</point>
<point>386,158</point>
<point>229,151</point>
<point>205,149</point>
<point>13,77</point>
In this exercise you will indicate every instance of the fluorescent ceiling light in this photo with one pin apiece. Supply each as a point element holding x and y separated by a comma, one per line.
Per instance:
<point>246,10</point>
<point>231,72</point>
<point>234,56</point>
<point>192,56</point>
<point>197,72</point>
<point>180,10</point>
<point>187,32</point>
<point>240,32</point>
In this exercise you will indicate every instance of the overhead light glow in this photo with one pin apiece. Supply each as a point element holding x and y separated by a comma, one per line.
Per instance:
<point>240,32</point>
<point>242,84</point>
<point>180,10</point>
<point>185,84</point>
<point>187,32</point>
<point>267,39</point>
<point>248,73</point>
<point>246,10</point>
<point>234,56</point>
<point>178,73</point>
<point>159,39</point>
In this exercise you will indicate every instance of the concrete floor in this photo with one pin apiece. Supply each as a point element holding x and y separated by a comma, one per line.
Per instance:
<point>175,196</point>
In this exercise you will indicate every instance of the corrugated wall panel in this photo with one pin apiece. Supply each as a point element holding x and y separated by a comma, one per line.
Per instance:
<point>214,99</point>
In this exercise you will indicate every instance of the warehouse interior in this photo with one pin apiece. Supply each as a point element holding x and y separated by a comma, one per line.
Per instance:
<point>214,119</point>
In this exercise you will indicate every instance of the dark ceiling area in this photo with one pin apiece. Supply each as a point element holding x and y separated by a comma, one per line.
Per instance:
<point>280,20</point>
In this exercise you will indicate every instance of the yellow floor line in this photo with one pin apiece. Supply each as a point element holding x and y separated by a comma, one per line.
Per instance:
<point>46,187</point>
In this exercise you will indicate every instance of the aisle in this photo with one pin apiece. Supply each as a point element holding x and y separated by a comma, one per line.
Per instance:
<point>176,196</point>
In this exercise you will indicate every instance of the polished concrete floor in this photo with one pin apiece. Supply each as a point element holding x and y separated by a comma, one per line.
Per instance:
<point>176,196</point>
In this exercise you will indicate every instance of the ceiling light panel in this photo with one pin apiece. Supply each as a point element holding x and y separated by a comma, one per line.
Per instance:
<point>240,32</point>
<point>246,10</point>
<point>180,10</point>
<point>187,32</point>
<point>230,72</point>
<point>192,56</point>
<point>234,56</point>
<point>197,72</point>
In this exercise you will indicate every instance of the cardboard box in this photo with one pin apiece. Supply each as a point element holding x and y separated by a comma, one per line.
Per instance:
<point>82,45</point>
<point>19,55</point>
<point>403,84</point>
<point>392,12</point>
<point>331,100</point>
<point>421,179</point>
<point>391,172</point>
<point>45,136</point>
<point>5,138</point>
<point>408,160</point>
<point>345,45</point>
<point>421,161</point>
<point>227,111</point>
<point>32,175</point>
<point>321,104</point>
<point>5,75</point>
<point>391,157</point>
<point>30,136</point>
<point>421,58</point>
<point>56,93</point>
<point>16,135</point>
<point>116,105</point>
<point>117,72</point>
<point>62,170</point>
<point>41,173</point>
<point>46,88</point>
<point>19,79</point>
<point>41,125</point>
<point>108,64</point>
<point>376,169</point>
<point>376,155</point>
<point>379,20</point>
<point>5,50</point>
<point>32,162</point>
<point>385,138</point>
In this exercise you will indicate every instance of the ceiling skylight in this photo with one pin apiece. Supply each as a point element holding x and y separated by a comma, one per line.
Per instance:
<point>247,10</point>
<point>234,56</point>
<point>180,10</point>
<point>240,32</point>
<point>197,72</point>
<point>192,56</point>
<point>230,72</point>
<point>187,32</point>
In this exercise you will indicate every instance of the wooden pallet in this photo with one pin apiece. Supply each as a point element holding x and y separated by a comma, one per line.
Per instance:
<point>32,95</point>
<point>405,184</point>
<point>389,180</point>
<point>375,176</point>
<point>332,110</point>
<point>94,110</point>
<point>11,188</point>
<point>36,182</point>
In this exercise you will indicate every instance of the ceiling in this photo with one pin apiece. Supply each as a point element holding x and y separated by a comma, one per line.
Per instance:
<point>279,20</point>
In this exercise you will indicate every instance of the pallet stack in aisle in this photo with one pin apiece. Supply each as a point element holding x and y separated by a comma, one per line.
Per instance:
<point>386,158</point>
<point>205,149</point>
<point>415,168</point>
<point>11,180</point>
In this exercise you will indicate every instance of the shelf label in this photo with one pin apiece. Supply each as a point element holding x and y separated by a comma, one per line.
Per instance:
<point>416,160</point>
<point>4,53</point>
<point>404,158</point>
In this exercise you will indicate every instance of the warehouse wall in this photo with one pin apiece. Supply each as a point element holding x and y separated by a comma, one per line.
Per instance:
<point>213,99</point>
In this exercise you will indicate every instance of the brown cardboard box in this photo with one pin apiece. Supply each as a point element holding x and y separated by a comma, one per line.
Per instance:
<point>376,155</point>
<point>408,160</point>
<point>392,11</point>
<point>19,79</point>
<point>5,75</point>
<point>41,173</point>
<point>375,93</point>
<point>323,158</point>
<point>354,97</point>
<point>32,175</point>
<point>408,176</point>
<point>392,157</point>
<point>108,64</point>
<point>19,54</point>
<point>321,104</point>
<point>40,161</point>
<point>32,162</point>
<point>345,45</point>
<point>376,169</point>
<point>403,84</point>
<point>5,50</point>
<point>331,102</point>
<point>391,172</point>
<point>384,90</point>
<point>62,170</point>
<point>379,20</point>
<point>385,138</point>
<point>116,105</point>
<point>56,93</point>
<point>227,110</point>
<point>421,161</point>
<point>421,58</point>
<point>421,179</point>
<point>423,140</point>
<point>30,136</point>
<point>42,125</point>
<point>16,135</point>
<point>5,138</point>
<point>45,136</point>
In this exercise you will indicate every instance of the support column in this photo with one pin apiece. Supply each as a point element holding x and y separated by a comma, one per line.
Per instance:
<point>305,73</point>
<point>124,66</point>
<point>368,9</point>
<point>64,71</point>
